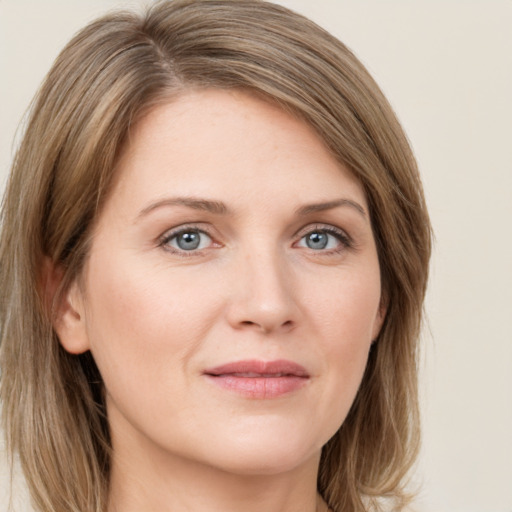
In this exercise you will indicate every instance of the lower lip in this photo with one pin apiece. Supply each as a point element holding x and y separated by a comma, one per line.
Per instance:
<point>259,387</point>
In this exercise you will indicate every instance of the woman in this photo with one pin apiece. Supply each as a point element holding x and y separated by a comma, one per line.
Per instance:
<point>214,256</point>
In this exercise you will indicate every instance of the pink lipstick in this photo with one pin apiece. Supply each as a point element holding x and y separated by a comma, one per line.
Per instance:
<point>259,379</point>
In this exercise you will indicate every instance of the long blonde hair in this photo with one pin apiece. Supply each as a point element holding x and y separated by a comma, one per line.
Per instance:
<point>112,72</point>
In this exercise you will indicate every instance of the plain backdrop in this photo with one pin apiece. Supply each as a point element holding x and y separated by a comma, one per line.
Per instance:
<point>446,67</point>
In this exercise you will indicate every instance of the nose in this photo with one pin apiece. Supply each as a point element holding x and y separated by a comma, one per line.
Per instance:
<point>263,296</point>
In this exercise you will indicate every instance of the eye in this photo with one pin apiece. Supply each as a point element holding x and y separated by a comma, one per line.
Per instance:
<point>325,239</point>
<point>187,240</point>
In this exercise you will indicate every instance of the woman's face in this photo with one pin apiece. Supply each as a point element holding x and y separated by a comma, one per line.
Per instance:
<point>232,289</point>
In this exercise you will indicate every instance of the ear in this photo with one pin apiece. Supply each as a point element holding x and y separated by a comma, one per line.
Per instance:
<point>379,319</point>
<point>66,308</point>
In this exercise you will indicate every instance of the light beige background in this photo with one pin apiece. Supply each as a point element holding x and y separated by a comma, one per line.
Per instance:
<point>446,67</point>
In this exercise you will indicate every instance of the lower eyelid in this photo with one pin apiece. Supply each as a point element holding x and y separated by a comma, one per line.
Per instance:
<point>341,244</point>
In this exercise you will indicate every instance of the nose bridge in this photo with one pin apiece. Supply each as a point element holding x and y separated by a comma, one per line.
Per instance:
<point>263,297</point>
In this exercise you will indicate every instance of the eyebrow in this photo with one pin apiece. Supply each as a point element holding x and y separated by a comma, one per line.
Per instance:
<point>329,205</point>
<point>219,208</point>
<point>197,204</point>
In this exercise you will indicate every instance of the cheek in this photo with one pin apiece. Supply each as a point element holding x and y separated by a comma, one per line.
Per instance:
<point>144,323</point>
<point>346,309</point>
<point>345,317</point>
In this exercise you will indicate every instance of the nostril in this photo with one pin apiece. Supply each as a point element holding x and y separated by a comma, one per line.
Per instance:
<point>267,328</point>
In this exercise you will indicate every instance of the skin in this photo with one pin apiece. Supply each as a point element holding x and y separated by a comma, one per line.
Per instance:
<point>156,316</point>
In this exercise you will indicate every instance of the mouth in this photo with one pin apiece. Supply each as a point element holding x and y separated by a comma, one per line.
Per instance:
<point>259,379</point>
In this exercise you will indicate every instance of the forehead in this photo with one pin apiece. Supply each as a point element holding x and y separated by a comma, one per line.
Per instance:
<point>232,145</point>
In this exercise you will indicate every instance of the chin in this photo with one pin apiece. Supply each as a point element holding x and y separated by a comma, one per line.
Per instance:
<point>266,463</point>
<point>266,452</point>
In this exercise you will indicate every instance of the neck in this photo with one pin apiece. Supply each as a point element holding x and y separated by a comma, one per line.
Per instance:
<point>150,484</point>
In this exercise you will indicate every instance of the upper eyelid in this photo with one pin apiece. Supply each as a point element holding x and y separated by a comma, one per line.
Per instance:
<point>183,228</point>
<point>206,228</point>
<point>321,226</point>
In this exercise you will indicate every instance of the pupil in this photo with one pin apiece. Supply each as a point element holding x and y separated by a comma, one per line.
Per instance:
<point>317,241</point>
<point>188,241</point>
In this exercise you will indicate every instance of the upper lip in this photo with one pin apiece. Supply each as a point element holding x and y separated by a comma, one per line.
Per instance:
<point>256,368</point>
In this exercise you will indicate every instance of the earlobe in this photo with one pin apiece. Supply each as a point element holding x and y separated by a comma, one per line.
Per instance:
<point>66,310</point>
<point>69,323</point>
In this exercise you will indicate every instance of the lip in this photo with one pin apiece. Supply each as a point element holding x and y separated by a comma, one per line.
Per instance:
<point>259,379</point>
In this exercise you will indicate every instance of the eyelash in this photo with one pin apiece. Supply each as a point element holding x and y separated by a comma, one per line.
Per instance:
<point>167,237</point>
<point>340,235</point>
